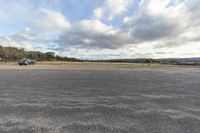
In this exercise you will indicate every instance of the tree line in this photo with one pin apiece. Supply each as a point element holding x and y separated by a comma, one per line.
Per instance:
<point>14,54</point>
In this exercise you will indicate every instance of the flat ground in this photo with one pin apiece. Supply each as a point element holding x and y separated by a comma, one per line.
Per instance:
<point>99,98</point>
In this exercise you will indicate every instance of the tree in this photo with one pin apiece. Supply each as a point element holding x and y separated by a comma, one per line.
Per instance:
<point>14,54</point>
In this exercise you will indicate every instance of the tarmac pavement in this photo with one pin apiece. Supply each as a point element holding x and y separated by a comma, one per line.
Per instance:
<point>120,100</point>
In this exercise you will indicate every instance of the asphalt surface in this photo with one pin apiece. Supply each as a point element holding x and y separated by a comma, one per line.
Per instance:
<point>162,100</point>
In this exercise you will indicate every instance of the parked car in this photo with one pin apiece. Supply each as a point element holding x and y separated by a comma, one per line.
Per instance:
<point>26,61</point>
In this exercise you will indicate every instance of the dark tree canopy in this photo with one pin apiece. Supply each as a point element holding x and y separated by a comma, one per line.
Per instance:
<point>14,54</point>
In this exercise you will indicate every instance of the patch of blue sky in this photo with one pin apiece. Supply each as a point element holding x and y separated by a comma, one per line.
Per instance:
<point>76,10</point>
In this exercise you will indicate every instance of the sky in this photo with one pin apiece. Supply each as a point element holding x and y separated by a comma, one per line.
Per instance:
<point>103,29</point>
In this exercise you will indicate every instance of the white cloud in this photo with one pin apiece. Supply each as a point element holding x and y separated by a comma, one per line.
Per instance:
<point>3,15</point>
<point>150,32</point>
<point>9,41</point>
<point>41,25</point>
<point>157,6</point>
<point>98,13</point>
<point>94,34</point>
<point>117,7</point>
<point>112,8</point>
<point>14,11</point>
<point>28,34</point>
<point>96,26</point>
<point>156,28</point>
<point>157,19</point>
<point>52,21</point>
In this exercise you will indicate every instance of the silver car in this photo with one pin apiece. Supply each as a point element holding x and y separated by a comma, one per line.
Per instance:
<point>26,61</point>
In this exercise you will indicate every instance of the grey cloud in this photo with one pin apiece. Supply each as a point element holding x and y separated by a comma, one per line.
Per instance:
<point>139,29</point>
<point>160,30</point>
<point>193,11</point>
<point>147,27</point>
<point>80,37</point>
<point>193,6</point>
<point>94,41</point>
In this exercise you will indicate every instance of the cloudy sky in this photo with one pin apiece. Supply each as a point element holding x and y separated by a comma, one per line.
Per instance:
<point>103,29</point>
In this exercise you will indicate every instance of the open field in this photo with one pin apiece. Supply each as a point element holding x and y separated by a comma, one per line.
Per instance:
<point>99,98</point>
